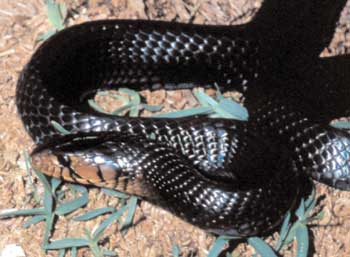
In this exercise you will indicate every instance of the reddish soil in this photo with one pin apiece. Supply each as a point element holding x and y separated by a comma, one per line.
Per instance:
<point>154,231</point>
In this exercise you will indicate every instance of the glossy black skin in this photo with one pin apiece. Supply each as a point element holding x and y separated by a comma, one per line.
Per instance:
<point>228,177</point>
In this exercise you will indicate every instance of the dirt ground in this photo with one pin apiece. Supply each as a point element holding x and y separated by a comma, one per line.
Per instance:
<point>155,231</point>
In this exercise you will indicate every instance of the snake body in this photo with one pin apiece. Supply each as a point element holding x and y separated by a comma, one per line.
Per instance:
<point>227,177</point>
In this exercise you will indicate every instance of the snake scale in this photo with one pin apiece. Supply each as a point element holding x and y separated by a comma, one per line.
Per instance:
<point>227,177</point>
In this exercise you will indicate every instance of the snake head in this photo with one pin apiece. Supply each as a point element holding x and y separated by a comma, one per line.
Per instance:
<point>98,159</point>
<point>71,158</point>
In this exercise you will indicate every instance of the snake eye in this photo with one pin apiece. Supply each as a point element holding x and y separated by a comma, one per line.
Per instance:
<point>64,160</point>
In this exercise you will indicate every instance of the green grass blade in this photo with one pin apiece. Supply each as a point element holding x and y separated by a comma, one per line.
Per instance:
<point>28,164</point>
<point>14,212</point>
<point>63,11</point>
<point>43,180</point>
<point>48,200</point>
<point>311,199</point>
<point>93,244</point>
<point>225,108</point>
<point>109,220</point>
<point>59,128</point>
<point>261,247</point>
<point>219,95</point>
<point>232,109</point>
<point>283,232</point>
<point>204,99</point>
<point>36,219</point>
<point>300,212</point>
<point>131,205</point>
<point>119,110</point>
<point>302,237</point>
<point>124,100</point>
<point>62,253</point>
<point>175,251</point>
<point>55,13</point>
<point>217,247</point>
<point>114,193</point>
<point>74,252</point>
<point>291,233</point>
<point>78,188</point>
<point>151,108</point>
<point>48,228</point>
<point>46,35</point>
<point>96,107</point>
<point>310,204</point>
<point>94,213</point>
<point>67,243</point>
<point>185,113</point>
<point>220,113</point>
<point>136,101</point>
<point>341,125</point>
<point>55,183</point>
<point>73,205</point>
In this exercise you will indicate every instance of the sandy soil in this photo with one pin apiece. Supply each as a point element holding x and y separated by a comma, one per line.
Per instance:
<point>155,231</point>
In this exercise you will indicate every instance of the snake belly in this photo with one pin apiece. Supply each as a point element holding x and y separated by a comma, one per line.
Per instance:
<point>227,177</point>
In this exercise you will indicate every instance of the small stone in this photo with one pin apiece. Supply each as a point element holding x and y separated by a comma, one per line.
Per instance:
<point>12,250</point>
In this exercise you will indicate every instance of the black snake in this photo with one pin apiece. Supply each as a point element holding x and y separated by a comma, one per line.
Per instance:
<point>227,177</point>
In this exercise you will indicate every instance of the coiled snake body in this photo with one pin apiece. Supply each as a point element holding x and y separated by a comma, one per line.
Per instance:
<point>228,177</point>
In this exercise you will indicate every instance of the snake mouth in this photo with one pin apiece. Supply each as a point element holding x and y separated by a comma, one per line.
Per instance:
<point>61,157</point>
<point>73,142</point>
<point>45,162</point>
